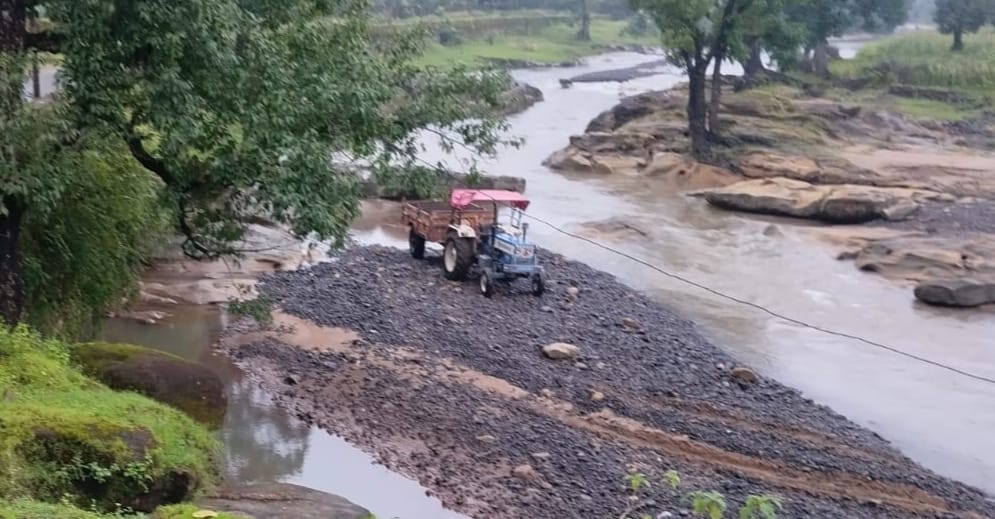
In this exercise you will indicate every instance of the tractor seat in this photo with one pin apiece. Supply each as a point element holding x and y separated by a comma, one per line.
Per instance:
<point>506,229</point>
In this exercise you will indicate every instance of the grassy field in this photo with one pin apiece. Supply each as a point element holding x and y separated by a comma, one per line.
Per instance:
<point>924,58</point>
<point>554,43</point>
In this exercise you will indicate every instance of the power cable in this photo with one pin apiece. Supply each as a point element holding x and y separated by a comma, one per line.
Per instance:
<point>762,308</point>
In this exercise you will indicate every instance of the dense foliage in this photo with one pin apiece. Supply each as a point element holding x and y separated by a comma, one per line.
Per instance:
<point>237,106</point>
<point>87,250</point>
<point>240,106</point>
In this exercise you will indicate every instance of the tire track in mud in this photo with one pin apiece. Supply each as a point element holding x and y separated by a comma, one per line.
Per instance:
<point>419,368</point>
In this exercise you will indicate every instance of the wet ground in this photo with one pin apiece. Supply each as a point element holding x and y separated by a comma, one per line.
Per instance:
<point>939,419</point>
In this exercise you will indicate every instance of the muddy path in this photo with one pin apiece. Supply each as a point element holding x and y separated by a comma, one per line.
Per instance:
<point>454,390</point>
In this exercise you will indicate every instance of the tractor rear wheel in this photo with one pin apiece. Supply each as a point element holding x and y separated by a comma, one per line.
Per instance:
<point>457,258</point>
<point>416,244</point>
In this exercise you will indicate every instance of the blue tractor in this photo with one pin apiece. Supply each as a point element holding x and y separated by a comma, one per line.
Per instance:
<point>503,251</point>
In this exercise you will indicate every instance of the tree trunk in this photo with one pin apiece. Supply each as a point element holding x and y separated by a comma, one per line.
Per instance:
<point>714,130</point>
<point>958,41</point>
<point>820,59</point>
<point>697,110</point>
<point>584,34</point>
<point>35,77</point>
<point>11,283</point>
<point>755,64</point>
<point>13,30</point>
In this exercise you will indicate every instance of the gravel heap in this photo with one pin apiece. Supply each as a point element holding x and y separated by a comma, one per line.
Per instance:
<point>636,359</point>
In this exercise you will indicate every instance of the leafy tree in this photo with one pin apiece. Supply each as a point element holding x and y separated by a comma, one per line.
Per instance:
<point>824,19</point>
<point>766,26</point>
<point>584,34</point>
<point>696,33</point>
<point>237,106</point>
<point>957,17</point>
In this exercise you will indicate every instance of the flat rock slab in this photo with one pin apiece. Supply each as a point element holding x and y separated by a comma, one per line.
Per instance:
<point>283,501</point>
<point>836,203</point>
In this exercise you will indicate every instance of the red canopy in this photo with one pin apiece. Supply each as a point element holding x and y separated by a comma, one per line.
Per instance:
<point>461,198</point>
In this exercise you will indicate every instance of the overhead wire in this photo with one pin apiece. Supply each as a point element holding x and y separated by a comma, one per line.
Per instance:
<point>760,307</point>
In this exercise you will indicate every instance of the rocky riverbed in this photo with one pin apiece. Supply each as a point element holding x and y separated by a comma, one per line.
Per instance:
<point>468,396</point>
<point>790,153</point>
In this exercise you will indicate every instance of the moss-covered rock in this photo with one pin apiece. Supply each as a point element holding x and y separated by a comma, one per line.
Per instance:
<point>169,379</point>
<point>65,436</point>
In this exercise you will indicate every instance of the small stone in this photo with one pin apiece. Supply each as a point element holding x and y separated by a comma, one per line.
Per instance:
<point>772,230</point>
<point>541,456</point>
<point>525,472</point>
<point>585,497</point>
<point>546,393</point>
<point>573,292</point>
<point>664,515</point>
<point>630,324</point>
<point>291,380</point>
<point>453,320</point>
<point>486,438</point>
<point>743,375</point>
<point>600,365</point>
<point>561,351</point>
<point>547,309</point>
<point>597,396</point>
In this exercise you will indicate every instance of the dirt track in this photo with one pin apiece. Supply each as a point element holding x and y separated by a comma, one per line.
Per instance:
<point>453,389</point>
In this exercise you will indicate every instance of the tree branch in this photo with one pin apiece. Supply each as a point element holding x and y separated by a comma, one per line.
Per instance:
<point>147,160</point>
<point>45,41</point>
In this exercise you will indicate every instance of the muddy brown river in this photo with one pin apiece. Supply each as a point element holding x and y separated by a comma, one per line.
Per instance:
<point>939,419</point>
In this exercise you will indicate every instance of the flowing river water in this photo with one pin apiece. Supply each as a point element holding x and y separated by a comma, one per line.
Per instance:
<point>939,419</point>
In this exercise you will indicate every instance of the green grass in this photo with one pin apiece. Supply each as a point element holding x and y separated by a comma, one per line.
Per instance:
<point>27,509</point>
<point>552,44</point>
<point>924,58</point>
<point>63,435</point>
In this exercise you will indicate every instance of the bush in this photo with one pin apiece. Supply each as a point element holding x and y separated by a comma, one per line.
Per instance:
<point>86,250</point>
<point>27,509</point>
<point>65,437</point>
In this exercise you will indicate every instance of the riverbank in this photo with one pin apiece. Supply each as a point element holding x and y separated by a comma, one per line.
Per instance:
<point>831,158</point>
<point>544,45</point>
<point>456,391</point>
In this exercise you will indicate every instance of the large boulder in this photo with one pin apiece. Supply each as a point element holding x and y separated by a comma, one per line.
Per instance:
<point>930,258</point>
<point>98,447</point>
<point>187,386</point>
<point>841,204</point>
<point>963,293</point>
<point>286,501</point>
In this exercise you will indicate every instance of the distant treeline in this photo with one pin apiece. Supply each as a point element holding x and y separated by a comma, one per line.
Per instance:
<point>617,9</point>
<point>510,24</point>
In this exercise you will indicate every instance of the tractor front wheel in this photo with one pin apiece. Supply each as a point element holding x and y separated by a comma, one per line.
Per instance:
<point>538,287</point>
<point>457,258</point>
<point>416,244</point>
<point>486,285</point>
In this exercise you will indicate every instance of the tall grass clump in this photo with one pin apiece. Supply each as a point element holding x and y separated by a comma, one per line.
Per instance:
<point>924,58</point>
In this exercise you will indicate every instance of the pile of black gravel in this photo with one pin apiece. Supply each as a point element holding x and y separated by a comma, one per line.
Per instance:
<point>392,299</point>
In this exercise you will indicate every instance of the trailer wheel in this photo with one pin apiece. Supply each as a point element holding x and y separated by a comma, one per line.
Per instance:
<point>486,285</point>
<point>538,287</point>
<point>416,244</point>
<point>457,258</point>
